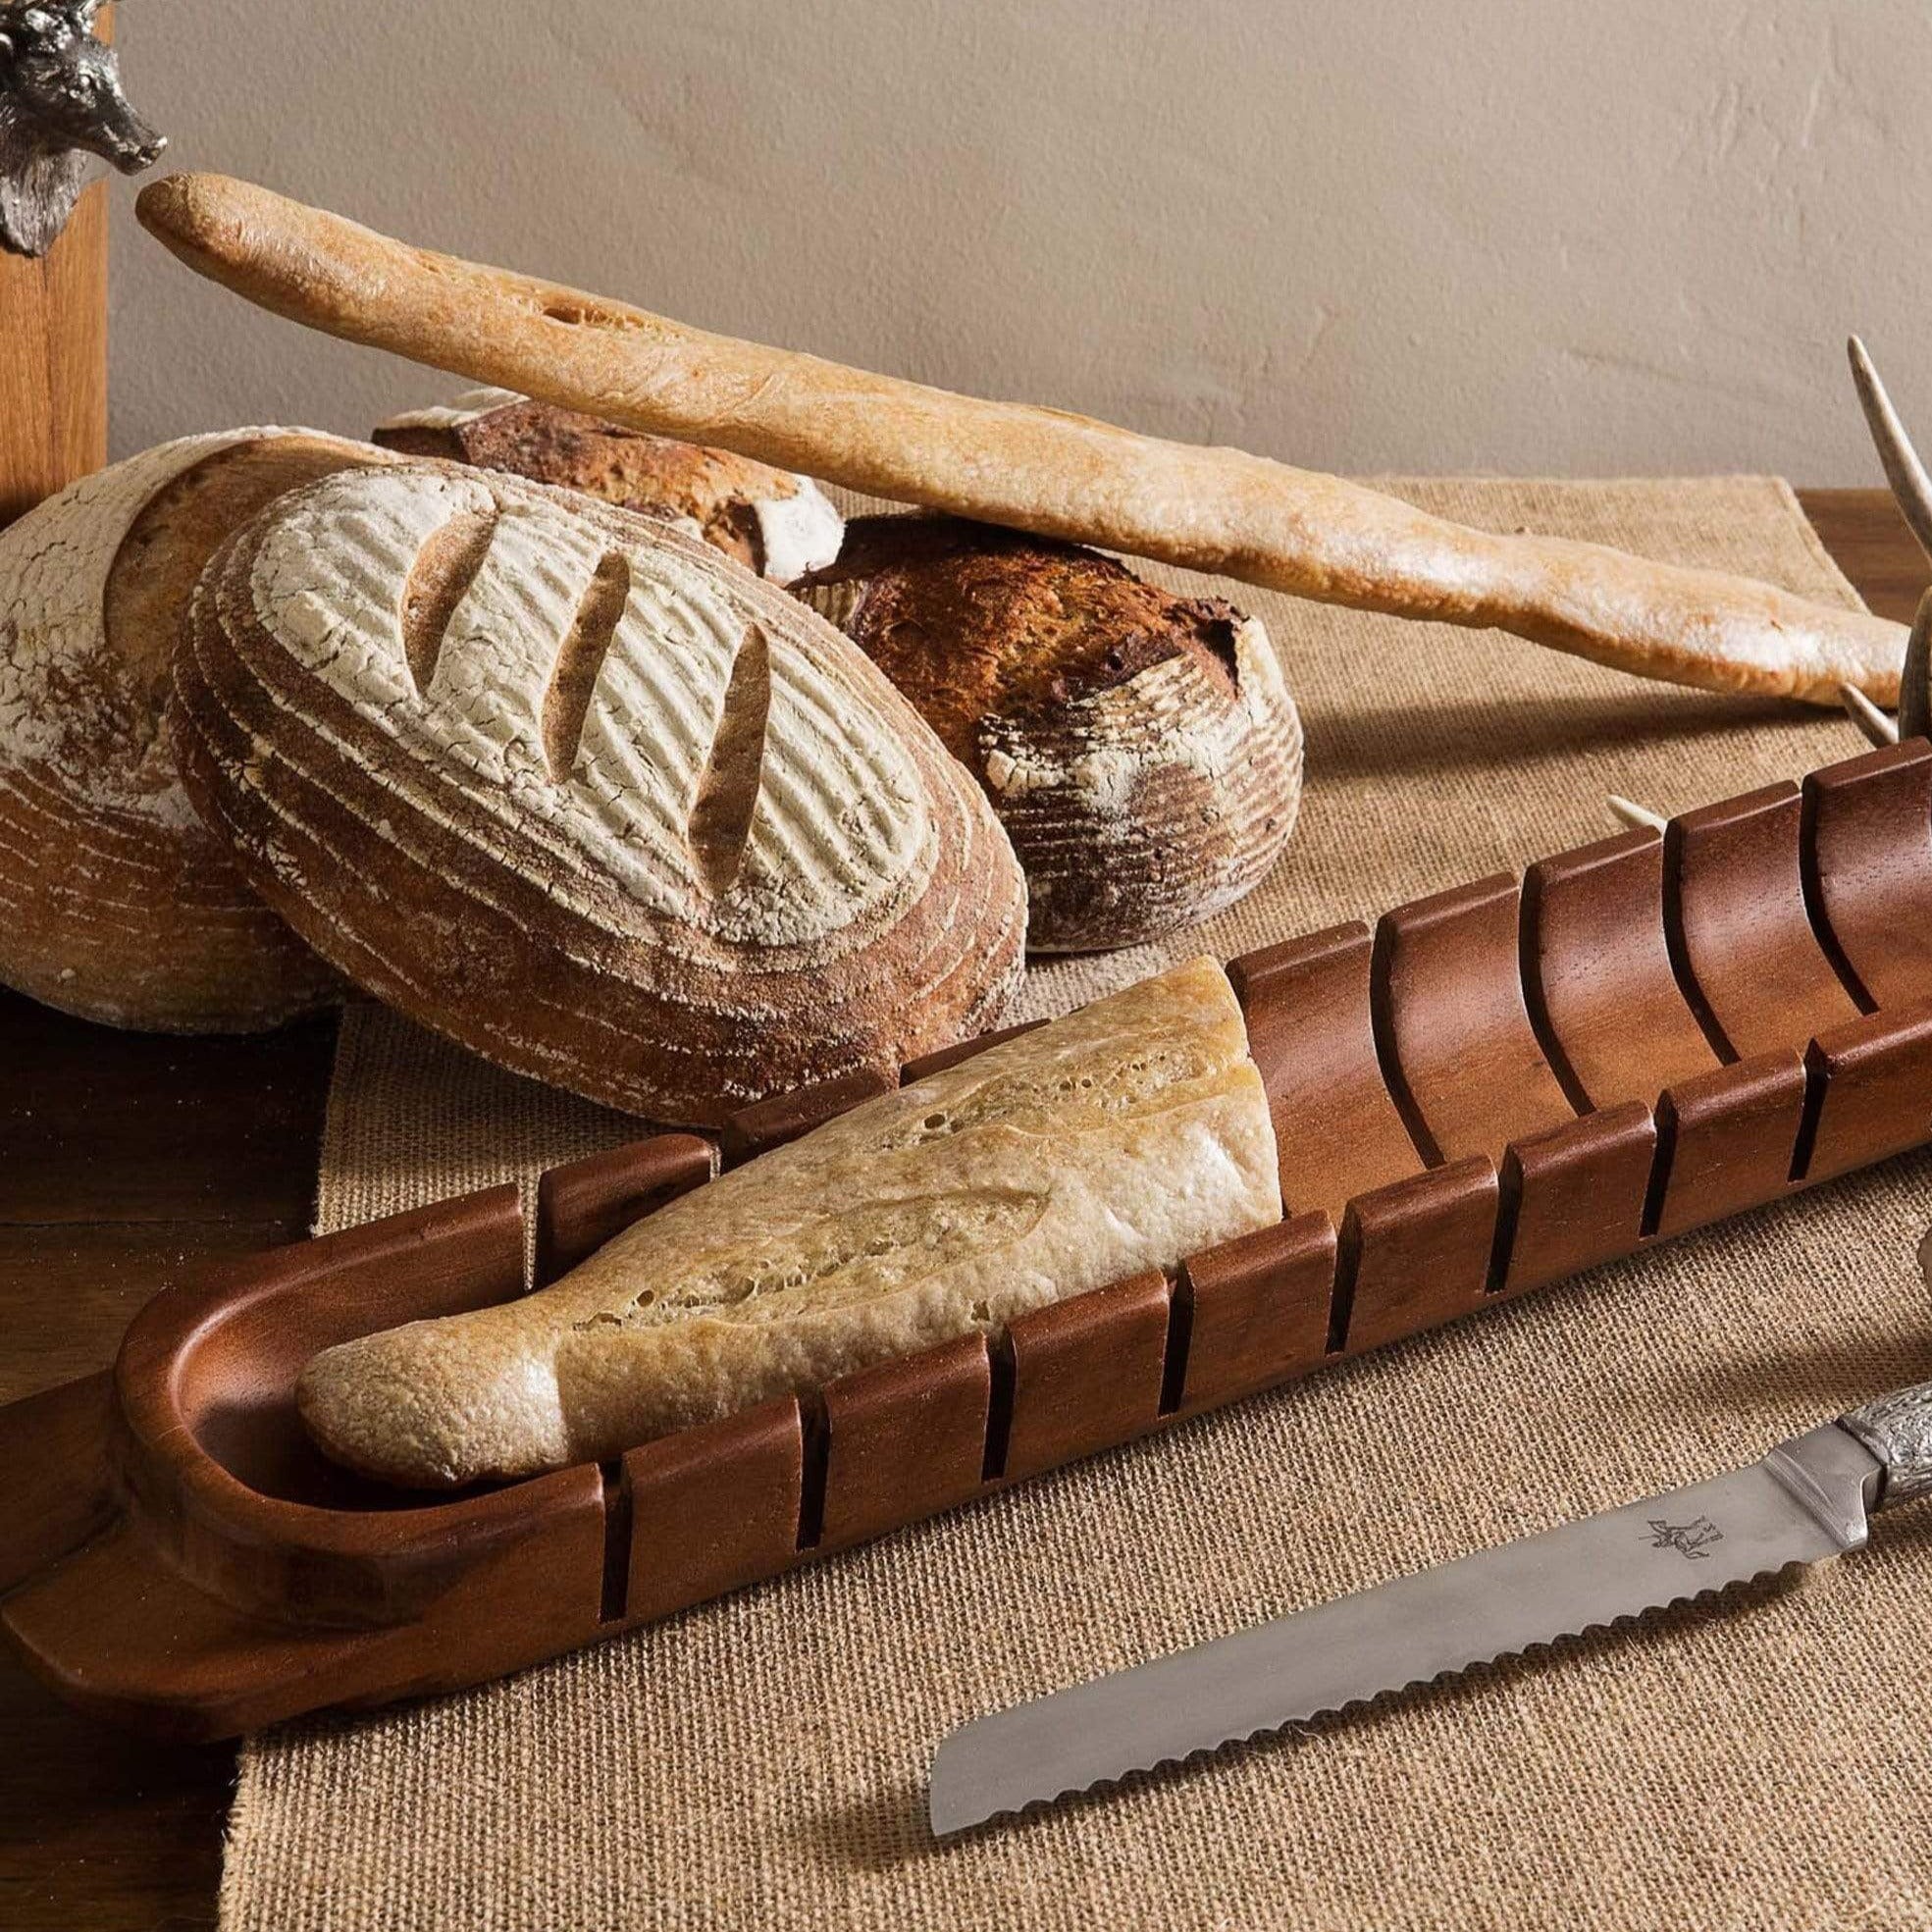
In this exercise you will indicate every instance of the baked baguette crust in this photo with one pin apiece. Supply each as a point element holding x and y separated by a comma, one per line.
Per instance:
<point>1140,749</point>
<point>571,788</point>
<point>1043,470</point>
<point>1125,1136</point>
<point>117,903</point>
<point>771,521</point>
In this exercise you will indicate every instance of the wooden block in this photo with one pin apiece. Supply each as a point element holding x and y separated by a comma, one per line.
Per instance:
<point>1761,980</point>
<point>713,1508</point>
<point>961,1051</point>
<point>769,1124</point>
<point>1871,1091</point>
<point>1087,1372</point>
<point>1258,1310</point>
<point>1727,1140</point>
<point>1454,1027</point>
<point>905,1440</point>
<point>1868,862</point>
<point>1336,1127</point>
<point>53,374</point>
<point>580,1205</point>
<point>1575,1195</point>
<point>1413,1254</point>
<point>1598,977</point>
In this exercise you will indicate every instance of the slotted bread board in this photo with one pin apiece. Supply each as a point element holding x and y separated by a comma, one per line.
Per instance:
<point>1491,1089</point>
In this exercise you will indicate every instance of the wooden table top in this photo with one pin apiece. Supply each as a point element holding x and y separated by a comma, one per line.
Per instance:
<point>121,1156</point>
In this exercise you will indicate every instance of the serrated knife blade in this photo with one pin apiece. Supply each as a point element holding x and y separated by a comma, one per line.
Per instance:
<point>1804,1502</point>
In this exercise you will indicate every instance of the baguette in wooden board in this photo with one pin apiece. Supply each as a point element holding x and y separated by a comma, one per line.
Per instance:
<point>1043,470</point>
<point>1125,1136</point>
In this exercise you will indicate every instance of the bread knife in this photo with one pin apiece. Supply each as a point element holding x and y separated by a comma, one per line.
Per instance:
<point>1806,1502</point>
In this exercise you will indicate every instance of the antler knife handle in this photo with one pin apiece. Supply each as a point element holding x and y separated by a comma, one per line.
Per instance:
<point>1898,1429</point>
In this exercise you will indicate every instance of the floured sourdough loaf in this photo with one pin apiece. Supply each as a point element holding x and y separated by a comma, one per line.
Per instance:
<point>774,522</point>
<point>116,901</point>
<point>1141,748</point>
<point>1124,1136</point>
<point>567,786</point>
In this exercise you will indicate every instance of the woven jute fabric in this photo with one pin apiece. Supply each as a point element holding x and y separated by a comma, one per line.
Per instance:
<point>1763,1762</point>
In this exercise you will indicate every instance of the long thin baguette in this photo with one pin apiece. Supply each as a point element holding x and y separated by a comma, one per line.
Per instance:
<point>1125,1136</point>
<point>1036,469</point>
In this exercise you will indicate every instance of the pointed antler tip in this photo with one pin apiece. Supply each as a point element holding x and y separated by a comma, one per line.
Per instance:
<point>1638,818</point>
<point>1876,724</point>
<point>1911,488</point>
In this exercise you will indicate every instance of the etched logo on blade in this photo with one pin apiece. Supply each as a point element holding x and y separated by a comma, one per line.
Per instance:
<point>1687,1539</point>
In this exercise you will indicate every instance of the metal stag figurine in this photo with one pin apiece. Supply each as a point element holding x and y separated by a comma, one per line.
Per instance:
<point>61,101</point>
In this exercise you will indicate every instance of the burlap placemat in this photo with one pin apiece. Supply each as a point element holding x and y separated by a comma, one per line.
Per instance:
<point>759,1761</point>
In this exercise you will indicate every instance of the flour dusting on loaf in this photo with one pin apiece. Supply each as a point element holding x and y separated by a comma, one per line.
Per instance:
<point>116,901</point>
<point>458,413</point>
<point>1125,1136</point>
<point>559,781</point>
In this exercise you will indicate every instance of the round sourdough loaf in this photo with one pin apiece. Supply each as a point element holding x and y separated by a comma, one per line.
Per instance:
<point>116,901</point>
<point>774,522</point>
<point>1140,749</point>
<point>567,786</point>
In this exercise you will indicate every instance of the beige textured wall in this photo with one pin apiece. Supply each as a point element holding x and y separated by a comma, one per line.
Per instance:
<point>1503,235</point>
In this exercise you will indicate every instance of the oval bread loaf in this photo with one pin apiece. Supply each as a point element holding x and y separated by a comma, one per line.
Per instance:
<point>1140,749</point>
<point>567,786</point>
<point>1125,1136</point>
<point>117,903</point>
<point>772,521</point>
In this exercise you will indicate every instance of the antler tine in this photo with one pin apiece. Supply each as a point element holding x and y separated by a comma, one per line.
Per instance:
<point>1911,485</point>
<point>1916,678</point>
<point>1638,818</point>
<point>1878,726</point>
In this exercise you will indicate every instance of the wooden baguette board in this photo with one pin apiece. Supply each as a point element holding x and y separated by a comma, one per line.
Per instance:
<point>1495,1089</point>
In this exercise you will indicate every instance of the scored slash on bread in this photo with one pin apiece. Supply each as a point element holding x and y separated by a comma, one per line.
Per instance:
<point>1140,749</point>
<point>772,521</point>
<point>116,901</point>
<point>566,785</point>
<point>1122,1137</point>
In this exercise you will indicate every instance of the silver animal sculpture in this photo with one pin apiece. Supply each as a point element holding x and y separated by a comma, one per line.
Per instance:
<point>60,103</point>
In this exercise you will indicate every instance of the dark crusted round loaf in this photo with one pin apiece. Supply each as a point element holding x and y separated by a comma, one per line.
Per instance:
<point>567,786</point>
<point>1140,749</point>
